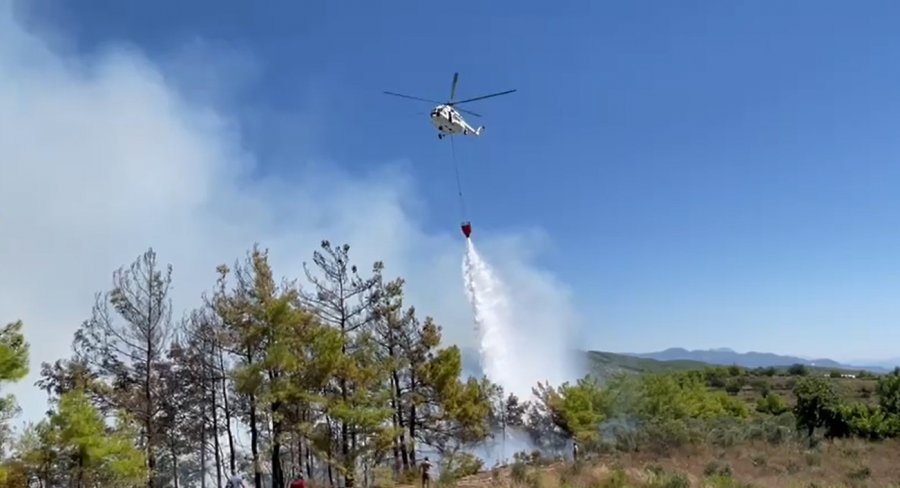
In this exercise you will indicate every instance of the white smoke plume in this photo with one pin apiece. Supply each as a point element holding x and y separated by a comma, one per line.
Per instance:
<point>105,154</point>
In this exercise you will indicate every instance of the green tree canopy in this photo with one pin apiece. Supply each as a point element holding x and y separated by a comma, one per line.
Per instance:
<point>575,409</point>
<point>816,402</point>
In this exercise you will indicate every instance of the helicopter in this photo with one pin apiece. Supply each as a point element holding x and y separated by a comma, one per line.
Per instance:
<point>446,118</point>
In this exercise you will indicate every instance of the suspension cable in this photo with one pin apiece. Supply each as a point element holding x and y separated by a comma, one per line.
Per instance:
<point>462,203</point>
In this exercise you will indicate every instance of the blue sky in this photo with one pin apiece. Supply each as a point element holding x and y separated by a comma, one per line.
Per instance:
<point>707,173</point>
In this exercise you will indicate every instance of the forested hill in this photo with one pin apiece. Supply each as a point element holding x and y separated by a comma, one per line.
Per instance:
<point>752,359</point>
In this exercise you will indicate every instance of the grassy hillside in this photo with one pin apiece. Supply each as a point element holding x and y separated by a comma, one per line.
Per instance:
<point>605,364</point>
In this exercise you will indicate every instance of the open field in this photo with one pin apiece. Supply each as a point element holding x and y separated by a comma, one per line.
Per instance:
<point>765,449</point>
<point>842,463</point>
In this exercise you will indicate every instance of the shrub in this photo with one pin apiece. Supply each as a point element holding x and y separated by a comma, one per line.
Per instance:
<point>793,467</point>
<point>798,370</point>
<point>616,480</point>
<point>717,468</point>
<point>759,460</point>
<point>862,374</point>
<point>727,433</point>
<point>664,436</point>
<point>816,401</point>
<point>715,377</point>
<point>383,477</point>
<point>726,482</point>
<point>519,472</point>
<point>666,480</point>
<point>859,473</point>
<point>888,389</point>
<point>813,458</point>
<point>465,464</point>
<point>734,385</point>
<point>495,477</point>
<point>860,420</point>
<point>772,404</point>
<point>535,480</point>
<point>762,386</point>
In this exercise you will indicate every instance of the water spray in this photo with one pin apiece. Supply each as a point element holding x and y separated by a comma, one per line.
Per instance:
<point>493,318</point>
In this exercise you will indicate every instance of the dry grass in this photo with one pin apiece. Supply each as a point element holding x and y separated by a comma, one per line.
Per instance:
<point>847,463</point>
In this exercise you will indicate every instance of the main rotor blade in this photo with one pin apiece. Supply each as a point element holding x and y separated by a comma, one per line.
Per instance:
<point>468,112</point>
<point>453,86</point>
<point>412,98</point>
<point>480,98</point>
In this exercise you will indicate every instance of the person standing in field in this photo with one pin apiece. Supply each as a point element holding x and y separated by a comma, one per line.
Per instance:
<point>235,482</point>
<point>426,473</point>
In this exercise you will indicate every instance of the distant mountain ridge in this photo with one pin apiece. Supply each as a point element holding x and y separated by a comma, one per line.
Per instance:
<point>607,364</point>
<point>726,357</point>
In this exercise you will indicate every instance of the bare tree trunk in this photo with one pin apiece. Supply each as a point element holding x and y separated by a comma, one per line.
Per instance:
<point>331,449</point>
<point>203,450</point>
<point>345,440</point>
<point>254,444</point>
<point>148,397</point>
<point>79,482</point>
<point>277,470</point>
<point>174,465</point>
<point>295,458</point>
<point>395,445</point>
<point>412,436</point>
<point>231,456</point>
<point>309,462</point>
<point>215,430</point>
<point>404,453</point>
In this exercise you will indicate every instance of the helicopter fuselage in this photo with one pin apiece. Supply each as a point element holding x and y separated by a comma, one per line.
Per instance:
<point>449,122</point>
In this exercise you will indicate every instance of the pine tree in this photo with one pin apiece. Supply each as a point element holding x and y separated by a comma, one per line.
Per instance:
<point>128,351</point>
<point>454,413</point>
<point>576,410</point>
<point>38,456</point>
<point>355,404</point>
<point>74,447</point>
<point>241,337</point>
<point>14,352</point>
<point>194,355</point>
<point>392,328</point>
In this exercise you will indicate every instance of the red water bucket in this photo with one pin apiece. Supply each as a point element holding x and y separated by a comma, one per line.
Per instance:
<point>467,229</point>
